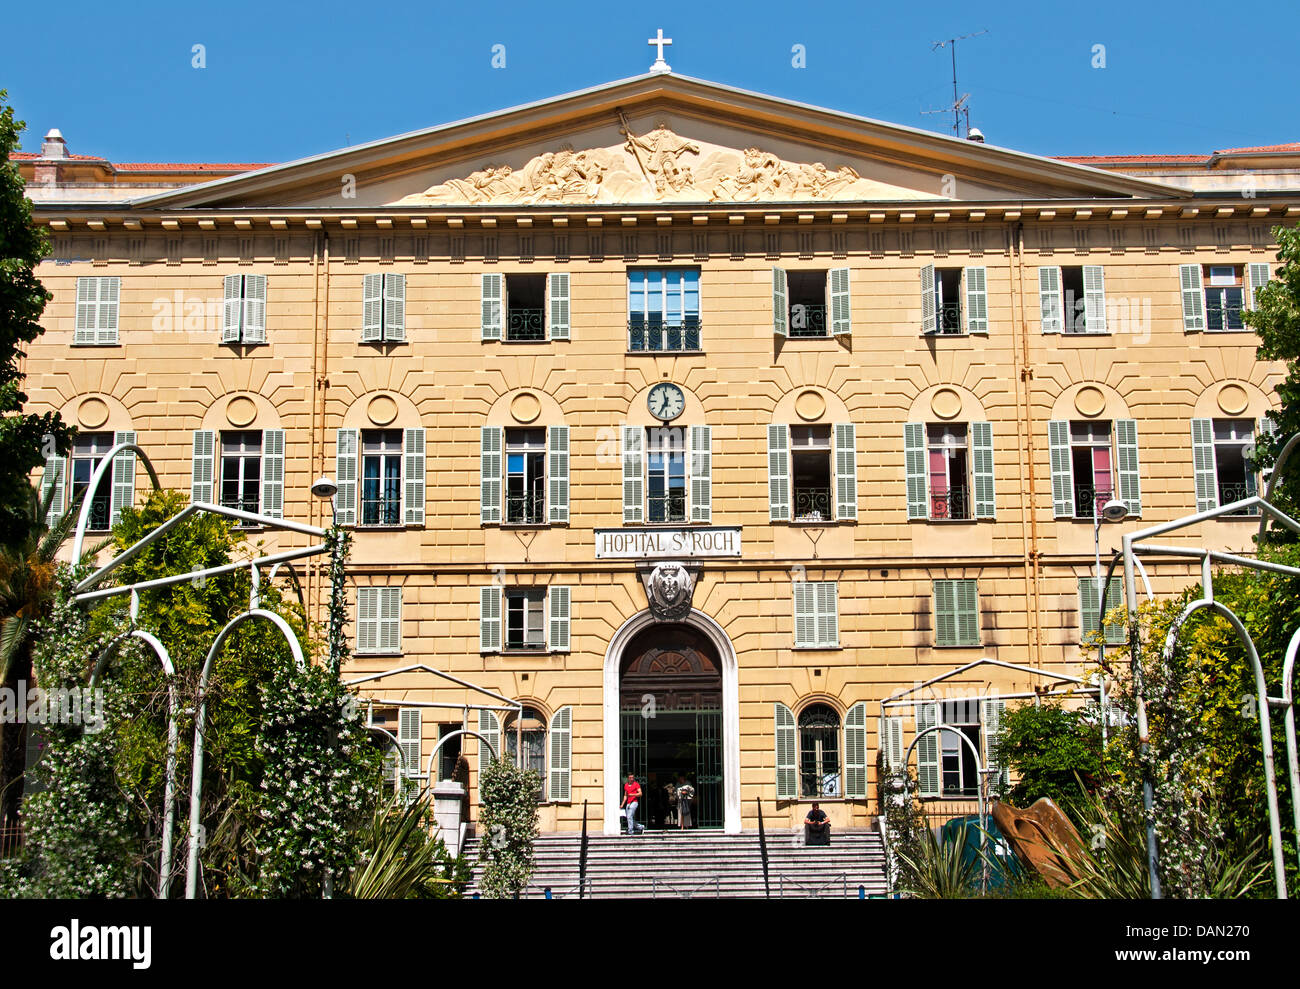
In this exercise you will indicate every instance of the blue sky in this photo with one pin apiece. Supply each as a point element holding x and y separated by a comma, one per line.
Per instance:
<point>287,80</point>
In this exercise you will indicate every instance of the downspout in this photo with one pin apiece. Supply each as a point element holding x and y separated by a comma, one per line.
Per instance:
<point>313,574</point>
<point>1029,500</point>
<point>322,383</point>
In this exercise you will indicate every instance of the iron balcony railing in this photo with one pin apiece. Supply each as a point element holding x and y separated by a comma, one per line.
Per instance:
<point>807,320</point>
<point>100,510</point>
<point>654,334</point>
<point>666,508</point>
<point>381,511</point>
<point>528,509</point>
<point>525,324</point>
<point>1237,491</point>
<point>1085,496</point>
<point>948,318</point>
<point>812,504</point>
<point>953,506</point>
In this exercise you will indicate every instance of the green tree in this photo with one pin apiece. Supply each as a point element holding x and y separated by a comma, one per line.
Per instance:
<point>26,440</point>
<point>1050,751</point>
<point>507,827</point>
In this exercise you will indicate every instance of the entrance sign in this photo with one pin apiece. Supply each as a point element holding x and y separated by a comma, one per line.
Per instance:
<point>652,543</point>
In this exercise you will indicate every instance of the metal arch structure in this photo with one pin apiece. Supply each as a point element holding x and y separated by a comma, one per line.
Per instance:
<point>105,465</point>
<point>200,723</point>
<point>428,773</point>
<point>173,739</point>
<point>1136,543</point>
<point>979,772</point>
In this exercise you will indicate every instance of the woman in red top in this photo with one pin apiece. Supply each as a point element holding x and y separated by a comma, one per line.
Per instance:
<point>631,797</point>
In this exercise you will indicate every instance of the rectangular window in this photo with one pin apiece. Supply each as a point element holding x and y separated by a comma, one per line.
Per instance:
<point>383,308</point>
<point>97,309</point>
<point>525,618</point>
<point>526,476</point>
<point>947,300</point>
<point>379,619</point>
<point>88,450</point>
<point>810,461</point>
<point>663,309</point>
<point>243,317</point>
<point>948,463</point>
<point>381,477</point>
<point>1224,294</point>
<point>1094,466</point>
<point>1234,468</point>
<point>816,615</point>
<point>1088,593</point>
<point>956,613</point>
<point>666,474</point>
<point>241,470</point>
<point>958,767</point>
<point>450,751</point>
<point>807,293</point>
<point>525,308</point>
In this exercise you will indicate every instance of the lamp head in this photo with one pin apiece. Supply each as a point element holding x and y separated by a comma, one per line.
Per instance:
<point>324,487</point>
<point>1114,510</point>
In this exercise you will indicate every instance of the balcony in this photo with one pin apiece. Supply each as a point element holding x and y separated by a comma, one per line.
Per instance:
<point>812,504</point>
<point>948,318</point>
<point>1237,491</point>
<point>529,509</point>
<point>808,320</point>
<point>1085,496</point>
<point>524,325</point>
<point>951,507</point>
<point>666,508</point>
<point>654,336</point>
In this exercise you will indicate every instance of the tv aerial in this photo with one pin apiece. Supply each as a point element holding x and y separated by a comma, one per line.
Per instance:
<point>960,103</point>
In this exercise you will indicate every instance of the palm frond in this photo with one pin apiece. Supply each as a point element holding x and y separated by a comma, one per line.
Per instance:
<point>13,634</point>
<point>402,858</point>
<point>938,869</point>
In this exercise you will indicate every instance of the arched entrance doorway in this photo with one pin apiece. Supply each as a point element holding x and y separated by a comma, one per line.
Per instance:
<point>670,722</point>
<point>706,655</point>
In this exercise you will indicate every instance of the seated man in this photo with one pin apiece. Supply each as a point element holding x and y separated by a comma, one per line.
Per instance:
<point>817,829</point>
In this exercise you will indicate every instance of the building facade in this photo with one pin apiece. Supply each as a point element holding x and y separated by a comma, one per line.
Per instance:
<point>694,422</point>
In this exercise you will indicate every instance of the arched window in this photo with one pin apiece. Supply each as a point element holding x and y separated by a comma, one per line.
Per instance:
<point>819,751</point>
<point>531,731</point>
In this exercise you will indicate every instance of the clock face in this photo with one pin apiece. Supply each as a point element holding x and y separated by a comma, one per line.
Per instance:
<point>666,401</point>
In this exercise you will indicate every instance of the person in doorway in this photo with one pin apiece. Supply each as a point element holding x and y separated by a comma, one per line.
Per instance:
<point>670,795</point>
<point>685,798</point>
<point>817,828</point>
<point>631,797</point>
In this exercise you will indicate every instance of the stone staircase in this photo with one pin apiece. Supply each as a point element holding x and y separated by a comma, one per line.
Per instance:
<point>704,864</point>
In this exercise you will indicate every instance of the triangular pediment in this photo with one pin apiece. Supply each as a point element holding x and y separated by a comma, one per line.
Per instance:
<point>659,139</point>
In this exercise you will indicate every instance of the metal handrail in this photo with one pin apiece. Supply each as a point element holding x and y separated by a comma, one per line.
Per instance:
<point>685,893</point>
<point>560,894</point>
<point>762,850</point>
<point>840,878</point>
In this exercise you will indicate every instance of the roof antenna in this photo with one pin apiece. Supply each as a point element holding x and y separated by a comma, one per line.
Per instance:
<point>959,104</point>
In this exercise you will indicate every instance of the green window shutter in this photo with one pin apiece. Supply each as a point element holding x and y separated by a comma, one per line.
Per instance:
<point>1255,479</point>
<point>914,462</point>
<point>52,481</point>
<point>493,306</point>
<point>1094,298</point>
<point>273,473</point>
<point>992,710</point>
<point>1257,278</point>
<point>778,472</point>
<point>927,750</point>
<point>968,612</point>
<point>123,493</point>
<point>982,441</point>
<point>367,619</point>
<point>561,763</point>
<point>1203,467</point>
<point>846,472</point>
<point>558,601</point>
<point>841,303</point>
<point>1058,441</point>
<point>945,613</point>
<point>87,310</point>
<point>490,474</point>
<point>780,303</point>
<point>345,475</point>
<point>394,306</point>
<point>1115,632</point>
<point>203,467</point>
<point>372,308</point>
<point>489,619</point>
<point>557,473</point>
<point>232,309</point>
<point>633,474</point>
<point>1130,486</point>
<point>390,619</point>
<point>929,318</point>
<point>413,475</point>
<point>489,726</point>
<point>1189,277</point>
<point>410,731</point>
<point>558,292</point>
<point>1049,298</point>
<point>787,780</point>
<point>805,613</point>
<point>855,752</point>
<point>977,301</point>
<point>254,328</point>
<point>828,618</point>
<point>110,289</point>
<point>892,742</point>
<point>701,474</point>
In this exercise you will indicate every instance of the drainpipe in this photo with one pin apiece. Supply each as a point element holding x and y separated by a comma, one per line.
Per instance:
<point>320,383</point>
<point>1028,504</point>
<point>313,573</point>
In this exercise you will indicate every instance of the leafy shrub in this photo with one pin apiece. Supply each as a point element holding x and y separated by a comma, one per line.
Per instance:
<point>507,827</point>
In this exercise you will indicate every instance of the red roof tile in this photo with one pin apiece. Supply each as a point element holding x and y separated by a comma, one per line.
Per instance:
<point>1293,148</point>
<point>1115,159</point>
<point>29,155</point>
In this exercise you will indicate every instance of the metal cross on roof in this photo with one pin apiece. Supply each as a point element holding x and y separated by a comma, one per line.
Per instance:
<point>659,41</point>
